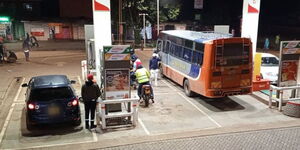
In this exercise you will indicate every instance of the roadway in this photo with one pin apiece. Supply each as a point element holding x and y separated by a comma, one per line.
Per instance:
<point>173,116</point>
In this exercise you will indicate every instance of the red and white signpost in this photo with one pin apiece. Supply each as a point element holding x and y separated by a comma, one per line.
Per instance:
<point>251,9</point>
<point>102,29</point>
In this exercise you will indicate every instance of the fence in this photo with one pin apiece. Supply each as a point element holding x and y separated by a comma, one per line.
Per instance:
<point>131,112</point>
<point>280,100</point>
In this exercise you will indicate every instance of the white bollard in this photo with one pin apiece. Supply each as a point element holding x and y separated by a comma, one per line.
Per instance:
<point>84,70</point>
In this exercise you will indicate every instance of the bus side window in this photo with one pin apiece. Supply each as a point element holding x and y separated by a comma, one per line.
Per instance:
<point>188,44</point>
<point>187,55</point>
<point>178,51</point>
<point>197,58</point>
<point>159,45</point>
<point>172,49</point>
<point>199,47</point>
<point>167,47</point>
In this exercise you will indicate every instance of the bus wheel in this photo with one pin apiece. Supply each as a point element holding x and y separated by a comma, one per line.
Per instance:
<point>187,90</point>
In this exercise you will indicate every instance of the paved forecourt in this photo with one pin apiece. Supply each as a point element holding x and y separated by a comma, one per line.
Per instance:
<point>172,113</point>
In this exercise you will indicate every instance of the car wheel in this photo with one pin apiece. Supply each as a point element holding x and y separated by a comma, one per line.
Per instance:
<point>77,123</point>
<point>187,90</point>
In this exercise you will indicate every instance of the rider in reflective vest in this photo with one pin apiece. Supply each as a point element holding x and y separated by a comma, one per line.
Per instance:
<point>143,78</point>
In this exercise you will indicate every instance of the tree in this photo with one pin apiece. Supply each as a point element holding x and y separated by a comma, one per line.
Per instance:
<point>169,11</point>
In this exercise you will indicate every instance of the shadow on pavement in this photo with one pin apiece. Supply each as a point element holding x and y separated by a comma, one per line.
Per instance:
<point>56,129</point>
<point>219,104</point>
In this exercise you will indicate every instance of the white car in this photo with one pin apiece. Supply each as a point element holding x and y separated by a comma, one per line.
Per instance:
<point>269,67</point>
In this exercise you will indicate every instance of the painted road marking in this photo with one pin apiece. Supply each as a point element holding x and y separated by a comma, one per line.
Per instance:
<point>143,126</point>
<point>61,57</point>
<point>210,118</point>
<point>54,145</point>
<point>10,113</point>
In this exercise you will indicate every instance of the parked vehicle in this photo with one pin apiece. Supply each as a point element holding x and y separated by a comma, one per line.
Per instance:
<point>208,63</point>
<point>269,67</point>
<point>51,99</point>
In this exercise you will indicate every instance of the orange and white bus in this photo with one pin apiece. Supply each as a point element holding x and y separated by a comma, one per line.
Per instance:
<point>207,63</point>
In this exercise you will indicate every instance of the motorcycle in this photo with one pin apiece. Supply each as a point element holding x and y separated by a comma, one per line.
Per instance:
<point>146,94</point>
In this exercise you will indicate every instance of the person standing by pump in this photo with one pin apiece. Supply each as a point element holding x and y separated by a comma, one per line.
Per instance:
<point>90,92</point>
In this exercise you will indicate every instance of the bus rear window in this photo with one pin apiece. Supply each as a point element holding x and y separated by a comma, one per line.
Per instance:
<point>233,49</point>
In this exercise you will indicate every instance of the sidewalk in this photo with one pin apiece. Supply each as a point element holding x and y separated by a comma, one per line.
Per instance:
<point>50,45</point>
<point>270,139</point>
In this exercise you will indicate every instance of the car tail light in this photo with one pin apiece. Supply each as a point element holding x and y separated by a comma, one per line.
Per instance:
<point>31,106</point>
<point>73,103</point>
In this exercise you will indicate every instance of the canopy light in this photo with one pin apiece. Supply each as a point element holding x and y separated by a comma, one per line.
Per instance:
<point>4,19</point>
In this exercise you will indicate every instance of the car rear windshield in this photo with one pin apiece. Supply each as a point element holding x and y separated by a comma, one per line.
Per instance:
<point>48,94</point>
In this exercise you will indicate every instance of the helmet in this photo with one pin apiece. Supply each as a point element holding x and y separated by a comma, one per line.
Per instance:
<point>134,57</point>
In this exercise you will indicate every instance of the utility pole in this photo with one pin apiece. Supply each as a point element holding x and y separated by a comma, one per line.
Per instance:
<point>120,23</point>
<point>144,27</point>
<point>157,18</point>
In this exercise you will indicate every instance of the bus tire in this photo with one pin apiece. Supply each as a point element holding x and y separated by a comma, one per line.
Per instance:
<point>187,90</point>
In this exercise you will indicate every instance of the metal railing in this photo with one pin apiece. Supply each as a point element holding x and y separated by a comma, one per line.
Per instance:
<point>280,100</point>
<point>131,112</point>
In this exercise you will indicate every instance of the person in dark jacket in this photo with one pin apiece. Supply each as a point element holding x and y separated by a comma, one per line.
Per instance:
<point>154,68</point>
<point>34,41</point>
<point>90,92</point>
<point>26,48</point>
<point>1,52</point>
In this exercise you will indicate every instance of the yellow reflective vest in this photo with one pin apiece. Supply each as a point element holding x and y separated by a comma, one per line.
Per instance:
<point>142,75</point>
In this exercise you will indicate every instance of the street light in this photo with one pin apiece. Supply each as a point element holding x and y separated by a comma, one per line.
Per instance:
<point>144,24</point>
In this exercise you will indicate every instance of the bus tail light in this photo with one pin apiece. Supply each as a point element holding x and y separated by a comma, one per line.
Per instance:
<point>245,82</point>
<point>216,85</point>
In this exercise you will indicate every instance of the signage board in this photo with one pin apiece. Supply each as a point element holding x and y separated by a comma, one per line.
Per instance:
<point>117,84</point>
<point>289,63</point>
<point>37,31</point>
<point>117,52</point>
